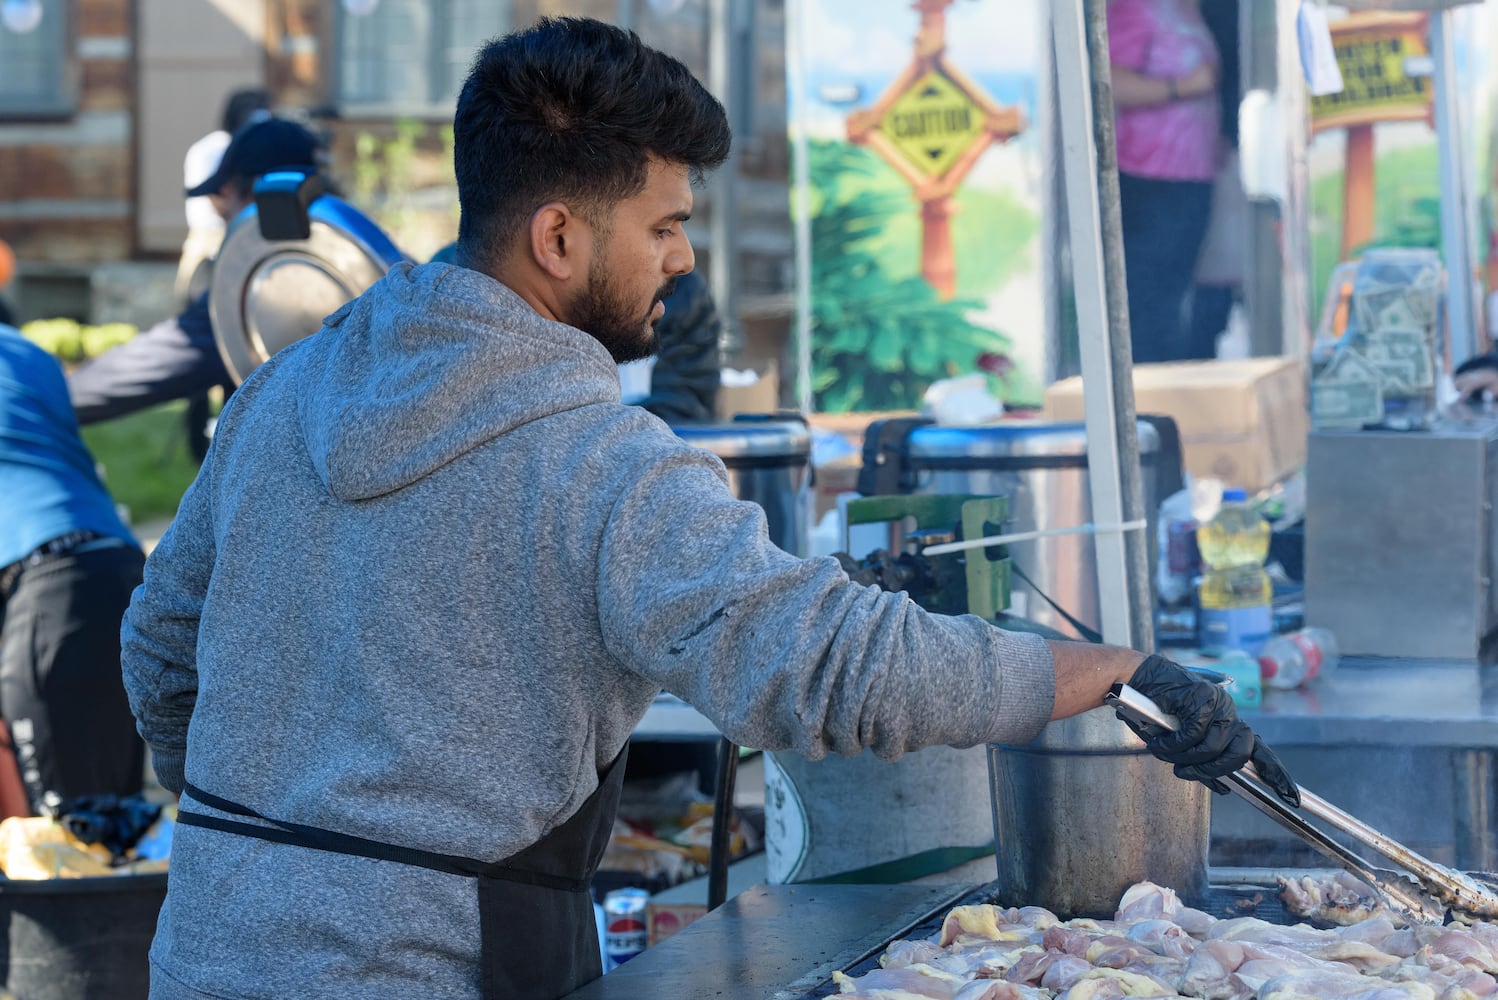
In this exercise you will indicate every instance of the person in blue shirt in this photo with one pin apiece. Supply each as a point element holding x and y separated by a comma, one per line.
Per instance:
<point>68,565</point>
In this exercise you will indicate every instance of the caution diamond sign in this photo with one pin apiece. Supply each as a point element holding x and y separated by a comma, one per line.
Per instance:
<point>933,123</point>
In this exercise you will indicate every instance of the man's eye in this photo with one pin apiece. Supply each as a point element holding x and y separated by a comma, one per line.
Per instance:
<point>663,233</point>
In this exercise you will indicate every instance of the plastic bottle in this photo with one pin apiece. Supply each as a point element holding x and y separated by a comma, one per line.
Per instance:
<point>1235,599</point>
<point>1288,661</point>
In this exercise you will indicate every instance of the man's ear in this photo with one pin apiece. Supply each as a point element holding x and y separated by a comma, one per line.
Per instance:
<point>556,236</point>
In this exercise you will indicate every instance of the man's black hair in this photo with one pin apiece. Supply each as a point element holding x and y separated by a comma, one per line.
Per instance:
<point>240,106</point>
<point>572,110</point>
<point>1476,363</point>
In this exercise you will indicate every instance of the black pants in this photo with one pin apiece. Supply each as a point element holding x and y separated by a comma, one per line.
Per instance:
<point>1210,307</point>
<point>1164,224</point>
<point>61,693</point>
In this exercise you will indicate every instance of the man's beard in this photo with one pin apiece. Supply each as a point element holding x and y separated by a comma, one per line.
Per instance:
<point>603,312</point>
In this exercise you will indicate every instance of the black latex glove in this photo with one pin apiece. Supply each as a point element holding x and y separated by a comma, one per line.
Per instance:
<point>1211,741</point>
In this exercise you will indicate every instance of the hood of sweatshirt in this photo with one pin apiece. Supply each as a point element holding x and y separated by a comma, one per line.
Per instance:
<point>429,363</point>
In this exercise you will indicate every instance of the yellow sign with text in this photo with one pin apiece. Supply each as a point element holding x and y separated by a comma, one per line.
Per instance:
<point>1385,66</point>
<point>933,123</point>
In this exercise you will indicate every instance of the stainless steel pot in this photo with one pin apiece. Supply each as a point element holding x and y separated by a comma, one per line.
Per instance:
<point>1084,811</point>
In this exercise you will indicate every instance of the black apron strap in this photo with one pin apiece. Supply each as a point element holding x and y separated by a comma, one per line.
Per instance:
<point>541,945</point>
<point>538,939</point>
<point>319,839</point>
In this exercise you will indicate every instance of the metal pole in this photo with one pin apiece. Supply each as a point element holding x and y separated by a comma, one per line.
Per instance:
<point>1089,160</point>
<point>1456,244</point>
<point>720,844</point>
<point>795,66</point>
<point>720,223</point>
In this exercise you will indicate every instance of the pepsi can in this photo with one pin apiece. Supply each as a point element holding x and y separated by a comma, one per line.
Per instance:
<point>625,934</point>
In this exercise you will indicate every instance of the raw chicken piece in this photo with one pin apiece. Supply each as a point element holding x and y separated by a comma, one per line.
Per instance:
<point>1163,970</point>
<point>986,961</point>
<point>1069,939</point>
<point>1209,971</point>
<point>1116,952</point>
<point>1110,984</point>
<point>1465,947</point>
<point>969,924</point>
<point>1263,932</point>
<point>903,953</point>
<point>1032,966</point>
<point>1359,954</point>
<point>920,981</point>
<point>1163,938</point>
<point>1383,935</point>
<point>1486,933</point>
<point>1134,984</point>
<point>995,990</point>
<point>1096,926</point>
<point>1333,898</point>
<point>961,962</point>
<point>1036,916</point>
<point>1224,969</point>
<point>1147,901</point>
<point>1452,981</point>
<point>1065,971</point>
<point>1330,986</point>
<point>1195,922</point>
<point>1094,989</point>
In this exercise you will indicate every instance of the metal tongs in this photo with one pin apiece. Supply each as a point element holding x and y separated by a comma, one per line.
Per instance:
<point>1424,892</point>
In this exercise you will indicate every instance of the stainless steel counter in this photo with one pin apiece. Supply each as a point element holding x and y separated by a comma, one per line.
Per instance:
<point>1373,702</point>
<point>1406,745</point>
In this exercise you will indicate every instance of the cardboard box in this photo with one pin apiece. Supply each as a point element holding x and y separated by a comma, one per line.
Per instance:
<point>1243,422</point>
<point>760,396</point>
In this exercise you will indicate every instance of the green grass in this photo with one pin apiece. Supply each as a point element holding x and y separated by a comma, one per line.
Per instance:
<point>146,464</point>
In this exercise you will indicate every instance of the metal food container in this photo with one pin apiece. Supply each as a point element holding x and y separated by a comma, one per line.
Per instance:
<point>1401,543</point>
<point>1085,811</point>
<point>1042,468</point>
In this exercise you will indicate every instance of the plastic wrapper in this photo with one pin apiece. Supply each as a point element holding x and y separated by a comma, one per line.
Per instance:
<point>1375,358</point>
<point>38,847</point>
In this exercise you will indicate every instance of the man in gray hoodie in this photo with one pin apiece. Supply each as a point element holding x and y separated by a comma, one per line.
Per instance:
<point>433,572</point>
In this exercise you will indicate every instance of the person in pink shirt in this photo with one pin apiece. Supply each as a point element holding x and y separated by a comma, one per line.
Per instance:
<point>1164,71</point>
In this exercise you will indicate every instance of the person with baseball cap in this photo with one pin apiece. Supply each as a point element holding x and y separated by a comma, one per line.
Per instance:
<point>178,357</point>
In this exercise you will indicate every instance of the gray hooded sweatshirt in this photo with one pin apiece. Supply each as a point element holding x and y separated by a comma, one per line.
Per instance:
<point>427,581</point>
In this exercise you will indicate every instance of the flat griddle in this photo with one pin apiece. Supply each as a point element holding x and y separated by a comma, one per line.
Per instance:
<point>784,942</point>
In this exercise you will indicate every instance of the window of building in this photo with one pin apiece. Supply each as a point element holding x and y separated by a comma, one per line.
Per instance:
<point>409,57</point>
<point>36,78</point>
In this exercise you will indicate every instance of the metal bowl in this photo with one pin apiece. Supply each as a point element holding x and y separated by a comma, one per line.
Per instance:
<point>267,294</point>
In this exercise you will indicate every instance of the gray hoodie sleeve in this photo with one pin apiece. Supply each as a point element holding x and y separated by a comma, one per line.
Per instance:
<point>784,653</point>
<point>159,635</point>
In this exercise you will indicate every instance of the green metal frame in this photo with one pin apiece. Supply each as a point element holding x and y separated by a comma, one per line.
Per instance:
<point>986,571</point>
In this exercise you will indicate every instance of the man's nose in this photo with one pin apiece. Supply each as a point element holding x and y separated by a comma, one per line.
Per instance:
<point>681,259</point>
